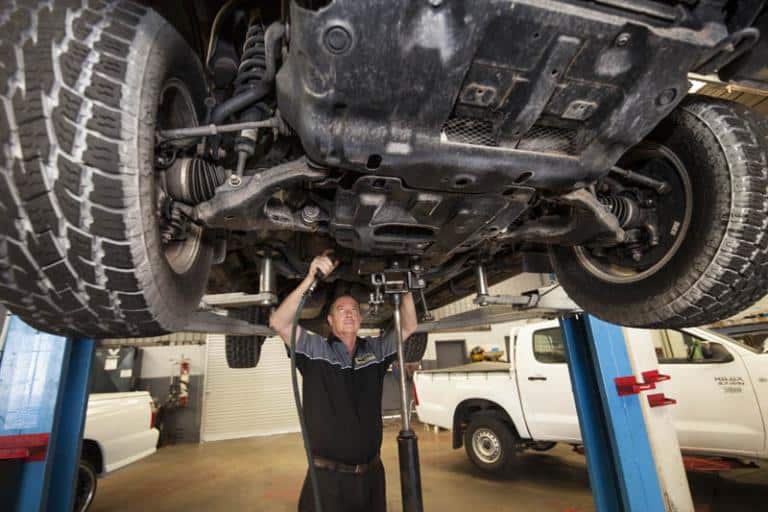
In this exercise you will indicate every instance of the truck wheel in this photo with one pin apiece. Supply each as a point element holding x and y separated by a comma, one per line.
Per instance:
<point>490,444</point>
<point>85,487</point>
<point>415,346</point>
<point>82,90</point>
<point>711,259</point>
<point>244,351</point>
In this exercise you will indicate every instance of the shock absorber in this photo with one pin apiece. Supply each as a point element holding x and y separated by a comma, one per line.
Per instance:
<point>622,207</point>
<point>253,62</point>
<point>253,66</point>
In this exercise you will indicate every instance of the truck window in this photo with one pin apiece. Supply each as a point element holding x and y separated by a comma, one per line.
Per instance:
<point>548,346</point>
<point>679,347</point>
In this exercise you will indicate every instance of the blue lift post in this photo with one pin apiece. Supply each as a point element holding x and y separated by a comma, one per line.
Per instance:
<point>622,472</point>
<point>43,390</point>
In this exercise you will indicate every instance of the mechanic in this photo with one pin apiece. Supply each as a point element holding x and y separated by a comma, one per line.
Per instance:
<point>342,384</point>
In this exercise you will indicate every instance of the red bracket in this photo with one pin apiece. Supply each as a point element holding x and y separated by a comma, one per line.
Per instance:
<point>630,386</point>
<point>30,447</point>
<point>659,400</point>
<point>654,376</point>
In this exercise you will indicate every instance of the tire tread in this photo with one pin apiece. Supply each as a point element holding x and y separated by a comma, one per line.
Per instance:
<point>65,256</point>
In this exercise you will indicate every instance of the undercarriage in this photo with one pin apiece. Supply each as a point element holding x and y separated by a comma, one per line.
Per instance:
<point>440,137</point>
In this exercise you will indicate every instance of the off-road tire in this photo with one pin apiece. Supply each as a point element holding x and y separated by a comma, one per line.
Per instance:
<point>508,441</point>
<point>244,351</point>
<point>415,346</point>
<point>80,251</point>
<point>721,267</point>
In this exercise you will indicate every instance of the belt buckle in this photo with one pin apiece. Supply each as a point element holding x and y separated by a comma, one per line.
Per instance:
<point>358,469</point>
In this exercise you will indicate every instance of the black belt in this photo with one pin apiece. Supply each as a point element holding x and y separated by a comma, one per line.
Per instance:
<point>332,465</point>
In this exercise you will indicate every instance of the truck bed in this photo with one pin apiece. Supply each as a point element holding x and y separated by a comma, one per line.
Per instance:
<point>483,367</point>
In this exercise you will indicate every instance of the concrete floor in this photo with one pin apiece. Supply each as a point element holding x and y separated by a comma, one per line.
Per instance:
<point>266,473</point>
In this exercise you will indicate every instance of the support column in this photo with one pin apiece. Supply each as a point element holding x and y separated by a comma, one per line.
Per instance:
<point>407,442</point>
<point>658,421</point>
<point>43,401</point>
<point>620,461</point>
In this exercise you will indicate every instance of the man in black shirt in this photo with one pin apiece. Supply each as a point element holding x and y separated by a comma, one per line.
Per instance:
<point>341,387</point>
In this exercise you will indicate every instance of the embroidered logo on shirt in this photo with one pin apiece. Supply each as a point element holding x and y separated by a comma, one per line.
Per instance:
<point>365,358</point>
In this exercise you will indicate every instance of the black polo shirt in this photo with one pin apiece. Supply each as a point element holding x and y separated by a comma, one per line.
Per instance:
<point>342,394</point>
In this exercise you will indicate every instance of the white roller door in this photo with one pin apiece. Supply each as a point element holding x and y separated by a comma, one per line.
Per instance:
<point>247,402</point>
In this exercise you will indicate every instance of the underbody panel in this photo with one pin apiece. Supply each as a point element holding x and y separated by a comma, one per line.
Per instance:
<point>485,96</point>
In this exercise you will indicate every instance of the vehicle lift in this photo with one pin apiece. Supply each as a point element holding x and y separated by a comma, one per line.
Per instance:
<point>633,456</point>
<point>44,384</point>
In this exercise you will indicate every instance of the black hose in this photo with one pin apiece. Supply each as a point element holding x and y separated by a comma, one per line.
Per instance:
<point>237,103</point>
<point>297,397</point>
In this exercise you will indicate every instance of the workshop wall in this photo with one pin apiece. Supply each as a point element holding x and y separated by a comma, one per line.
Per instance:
<point>248,402</point>
<point>158,365</point>
<point>484,336</point>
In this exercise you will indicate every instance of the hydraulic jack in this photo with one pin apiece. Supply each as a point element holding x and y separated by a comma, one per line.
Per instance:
<point>395,282</point>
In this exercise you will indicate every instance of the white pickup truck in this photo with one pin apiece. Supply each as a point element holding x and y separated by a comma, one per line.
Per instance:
<point>119,429</point>
<point>498,409</point>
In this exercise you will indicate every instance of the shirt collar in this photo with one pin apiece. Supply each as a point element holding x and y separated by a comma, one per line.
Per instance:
<point>333,338</point>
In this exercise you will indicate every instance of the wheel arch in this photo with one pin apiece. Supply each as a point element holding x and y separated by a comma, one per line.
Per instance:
<point>191,19</point>
<point>470,406</point>
<point>91,451</point>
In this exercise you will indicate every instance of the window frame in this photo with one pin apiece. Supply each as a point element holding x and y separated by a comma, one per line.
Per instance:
<point>533,346</point>
<point>677,360</point>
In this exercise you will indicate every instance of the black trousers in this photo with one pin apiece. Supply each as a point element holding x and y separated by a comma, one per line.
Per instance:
<point>347,492</point>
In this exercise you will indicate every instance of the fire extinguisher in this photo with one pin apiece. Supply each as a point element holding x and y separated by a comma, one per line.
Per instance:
<point>184,370</point>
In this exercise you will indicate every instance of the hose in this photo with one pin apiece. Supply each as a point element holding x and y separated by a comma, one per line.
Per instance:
<point>297,397</point>
<point>237,103</point>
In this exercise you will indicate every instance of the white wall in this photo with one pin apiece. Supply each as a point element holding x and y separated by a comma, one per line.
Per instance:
<point>163,361</point>
<point>248,401</point>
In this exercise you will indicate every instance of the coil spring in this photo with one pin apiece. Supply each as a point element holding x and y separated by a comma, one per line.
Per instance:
<point>619,206</point>
<point>253,62</point>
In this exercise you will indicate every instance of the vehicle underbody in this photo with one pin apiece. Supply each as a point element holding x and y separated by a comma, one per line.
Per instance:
<point>440,136</point>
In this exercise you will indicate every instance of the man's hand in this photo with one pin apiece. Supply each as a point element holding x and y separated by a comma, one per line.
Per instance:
<point>322,263</point>
<point>281,320</point>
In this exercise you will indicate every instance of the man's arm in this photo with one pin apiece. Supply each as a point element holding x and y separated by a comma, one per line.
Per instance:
<point>281,320</point>
<point>408,319</point>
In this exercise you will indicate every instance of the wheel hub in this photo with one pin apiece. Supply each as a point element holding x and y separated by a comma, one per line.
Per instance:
<point>656,223</point>
<point>182,240</point>
<point>486,445</point>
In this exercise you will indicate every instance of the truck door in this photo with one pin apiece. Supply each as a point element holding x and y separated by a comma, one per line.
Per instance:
<point>545,387</point>
<point>716,408</point>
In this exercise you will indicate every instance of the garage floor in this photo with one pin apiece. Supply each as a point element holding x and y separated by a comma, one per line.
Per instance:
<point>266,473</point>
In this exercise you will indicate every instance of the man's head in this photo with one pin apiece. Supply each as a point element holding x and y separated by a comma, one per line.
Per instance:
<point>344,316</point>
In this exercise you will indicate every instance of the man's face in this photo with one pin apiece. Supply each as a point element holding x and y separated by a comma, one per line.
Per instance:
<point>344,317</point>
